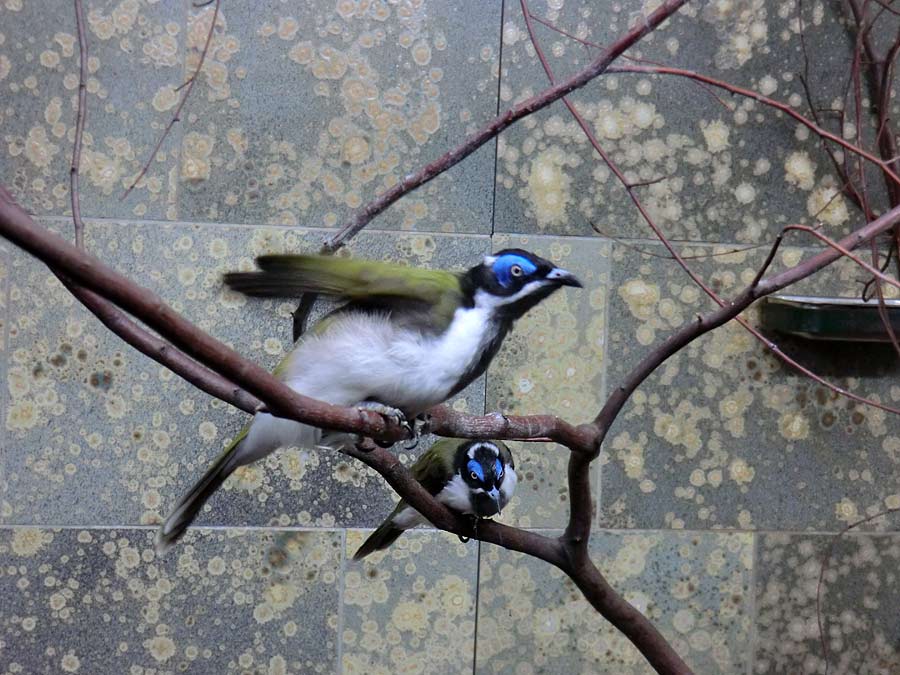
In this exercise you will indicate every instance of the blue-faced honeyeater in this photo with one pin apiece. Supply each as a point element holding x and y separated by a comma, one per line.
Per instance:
<point>407,339</point>
<point>476,478</point>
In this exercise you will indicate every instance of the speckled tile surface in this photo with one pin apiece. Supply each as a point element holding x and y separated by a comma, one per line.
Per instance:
<point>860,595</point>
<point>722,168</point>
<point>696,587</point>
<point>304,111</point>
<point>135,58</point>
<point>362,94</point>
<point>100,601</point>
<point>410,608</point>
<point>552,362</point>
<point>726,435</point>
<point>98,434</point>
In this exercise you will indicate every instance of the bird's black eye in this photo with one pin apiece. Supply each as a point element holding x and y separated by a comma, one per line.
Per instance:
<point>474,475</point>
<point>516,271</point>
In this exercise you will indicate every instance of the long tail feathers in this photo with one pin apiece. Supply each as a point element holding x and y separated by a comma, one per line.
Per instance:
<point>190,504</point>
<point>379,540</point>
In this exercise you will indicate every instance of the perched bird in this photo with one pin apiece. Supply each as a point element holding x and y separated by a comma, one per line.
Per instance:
<point>476,478</point>
<point>406,340</point>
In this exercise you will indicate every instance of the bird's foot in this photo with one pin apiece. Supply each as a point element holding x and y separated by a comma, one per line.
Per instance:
<point>395,415</point>
<point>474,525</point>
<point>420,427</point>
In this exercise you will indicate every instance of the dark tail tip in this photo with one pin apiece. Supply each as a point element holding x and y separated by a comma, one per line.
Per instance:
<point>379,540</point>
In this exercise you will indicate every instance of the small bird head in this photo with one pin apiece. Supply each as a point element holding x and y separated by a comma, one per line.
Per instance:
<point>513,280</point>
<point>484,467</point>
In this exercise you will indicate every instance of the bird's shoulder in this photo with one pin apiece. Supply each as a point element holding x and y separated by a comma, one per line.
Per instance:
<point>436,465</point>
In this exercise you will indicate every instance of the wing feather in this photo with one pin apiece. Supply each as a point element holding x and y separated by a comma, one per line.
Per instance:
<point>354,279</point>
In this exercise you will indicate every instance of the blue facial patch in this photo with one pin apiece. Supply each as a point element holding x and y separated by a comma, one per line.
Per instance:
<point>474,467</point>
<point>504,264</point>
<point>498,468</point>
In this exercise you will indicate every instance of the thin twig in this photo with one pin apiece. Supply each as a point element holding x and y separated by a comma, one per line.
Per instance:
<point>415,180</point>
<point>188,88</point>
<point>844,252</point>
<point>79,126</point>
<point>653,254</point>
<point>765,100</point>
<point>112,317</point>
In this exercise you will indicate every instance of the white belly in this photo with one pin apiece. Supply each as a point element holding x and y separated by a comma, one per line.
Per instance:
<point>362,357</point>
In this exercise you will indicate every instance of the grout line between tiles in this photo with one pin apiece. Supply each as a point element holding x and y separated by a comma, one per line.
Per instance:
<point>487,235</point>
<point>4,387</point>
<point>549,531</point>
<point>490,250</point>
<point>339,668</point>
<point>477,606</point>
<point>754,565</point>
<point>497,113</point>
<point>324,231</point>
<point>604,374</point>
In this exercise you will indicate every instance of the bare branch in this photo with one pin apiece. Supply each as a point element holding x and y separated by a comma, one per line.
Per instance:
<point>113,318</point>
<point>759,288</point>
<point>79,126</point>
<point>188,87</point>
<point>493,128</point>
<point>765,100</point>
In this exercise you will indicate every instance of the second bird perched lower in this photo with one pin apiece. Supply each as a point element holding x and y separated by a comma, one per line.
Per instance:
<point>407,339</point>
<point>475,478</point>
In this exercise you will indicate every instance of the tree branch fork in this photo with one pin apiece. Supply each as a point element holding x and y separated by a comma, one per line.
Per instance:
<point>247,386</point>
<point>220,371</point>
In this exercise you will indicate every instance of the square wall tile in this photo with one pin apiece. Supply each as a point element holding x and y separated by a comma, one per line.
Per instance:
<point>694,587</point>
<point>716,167</point>
<point>552,363</point>
<point>859,600</point>
<point>410,608</point>
<point>724,434</point>
<point>305,113</point>
<point>100,435</point>
<point>135,60</point>
<point>101,601</point>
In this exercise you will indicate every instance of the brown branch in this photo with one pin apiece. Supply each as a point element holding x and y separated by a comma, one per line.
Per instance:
<point>79,125</point>
<point>765,100</point>
<point>880,87</point>
<point>759,288</point>
<point>162,352</point>
<point>188,87</point>
<point>87,271</point>
<point>415,180</point>
<point>18,227</point>
<point>108,314</point>
<point>662,238</point>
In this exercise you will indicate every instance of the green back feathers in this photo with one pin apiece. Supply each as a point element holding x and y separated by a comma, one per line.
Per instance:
<point>292,275</point>
<point>365,283</point>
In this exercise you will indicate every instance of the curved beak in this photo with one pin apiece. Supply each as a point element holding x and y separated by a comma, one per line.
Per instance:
<point>563,277</point>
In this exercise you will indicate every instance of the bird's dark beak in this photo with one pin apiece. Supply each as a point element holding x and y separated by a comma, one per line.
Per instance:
<point>495,496</point>
<point>563,277</point>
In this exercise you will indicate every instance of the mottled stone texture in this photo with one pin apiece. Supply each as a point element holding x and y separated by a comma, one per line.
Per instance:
<point>719,488</point>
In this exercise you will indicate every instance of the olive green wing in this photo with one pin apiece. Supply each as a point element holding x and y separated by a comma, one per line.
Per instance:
<point>292,275</point>
<point>435,467</point>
